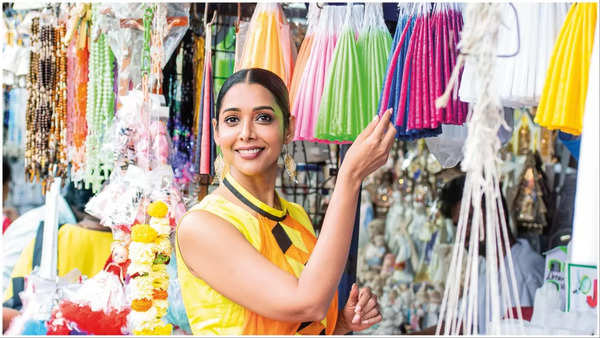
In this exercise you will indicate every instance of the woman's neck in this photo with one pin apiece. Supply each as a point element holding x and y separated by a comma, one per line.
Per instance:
<point>260,186</point>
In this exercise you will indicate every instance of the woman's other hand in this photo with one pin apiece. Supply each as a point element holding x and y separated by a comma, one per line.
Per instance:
<point>371,148</point>
<point>360,312</point>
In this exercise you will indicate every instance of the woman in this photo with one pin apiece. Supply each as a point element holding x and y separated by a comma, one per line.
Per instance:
<point>249,262</point>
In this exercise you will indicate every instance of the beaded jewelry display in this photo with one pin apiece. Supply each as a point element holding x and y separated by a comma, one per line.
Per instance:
<point>45,156</point>
<point>99,110</point>
<point>150,252</point>
<point>32,79</point>
<point>77,75</point>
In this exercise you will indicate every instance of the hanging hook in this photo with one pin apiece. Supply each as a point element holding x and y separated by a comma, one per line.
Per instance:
<point>214,18</point>
<point>205,13</point>
<point>518,34</point>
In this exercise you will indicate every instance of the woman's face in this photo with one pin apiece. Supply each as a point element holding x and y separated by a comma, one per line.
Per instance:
<point>251,131</point>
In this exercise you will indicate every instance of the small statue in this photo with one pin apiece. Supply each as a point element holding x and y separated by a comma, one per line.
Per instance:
<point>375,251</point>
<point>387,268</point>
<point>433,307</point>
<point>383,194</point>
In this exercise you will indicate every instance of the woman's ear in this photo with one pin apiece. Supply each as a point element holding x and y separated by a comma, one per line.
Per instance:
<point>216,132</point>
<point>291,130</point>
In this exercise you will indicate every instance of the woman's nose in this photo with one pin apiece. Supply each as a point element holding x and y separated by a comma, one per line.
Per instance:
<point>247,131</point>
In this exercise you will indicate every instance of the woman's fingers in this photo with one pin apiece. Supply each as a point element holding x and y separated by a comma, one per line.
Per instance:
<point>390,134</point>
<point>373,320</point>
<point>371,314</point>
<point>383,124</point>
<point>371,304</point>
<point>369,129</point>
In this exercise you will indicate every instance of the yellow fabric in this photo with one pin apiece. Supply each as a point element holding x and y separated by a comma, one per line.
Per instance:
<point>84,249</point>
<point>563,97</point>
<point>210,313</point>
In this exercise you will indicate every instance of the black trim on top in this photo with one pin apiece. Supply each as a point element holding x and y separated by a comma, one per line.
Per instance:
<point>254,207</point>
<point>282,238</point>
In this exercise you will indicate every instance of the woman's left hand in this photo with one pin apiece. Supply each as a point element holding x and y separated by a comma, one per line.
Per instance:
<point>361,310</point>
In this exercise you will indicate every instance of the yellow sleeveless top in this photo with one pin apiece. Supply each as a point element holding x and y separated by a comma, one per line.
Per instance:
<point>285,237</point>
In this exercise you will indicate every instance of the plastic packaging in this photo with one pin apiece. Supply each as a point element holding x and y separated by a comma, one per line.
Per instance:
<point>448,146</point>
<point>125,36</point>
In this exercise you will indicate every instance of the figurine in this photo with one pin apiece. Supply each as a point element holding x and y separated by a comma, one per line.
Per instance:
<point>375,251</point>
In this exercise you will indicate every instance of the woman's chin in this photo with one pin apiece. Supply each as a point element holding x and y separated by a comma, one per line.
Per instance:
<point>253,168</point>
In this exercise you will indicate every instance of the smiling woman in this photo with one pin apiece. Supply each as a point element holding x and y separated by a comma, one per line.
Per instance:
<point>250,262</point>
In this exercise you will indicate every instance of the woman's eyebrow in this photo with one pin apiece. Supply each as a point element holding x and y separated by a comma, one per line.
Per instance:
<point>231,109</point>
<point>263,108</point>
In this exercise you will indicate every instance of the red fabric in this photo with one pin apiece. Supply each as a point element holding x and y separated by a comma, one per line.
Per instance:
<point>95,322</point>
<point>526,311</point>
<point>5,223</point>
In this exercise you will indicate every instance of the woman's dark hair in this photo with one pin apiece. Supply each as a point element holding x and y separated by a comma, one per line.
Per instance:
<point>265,78</point>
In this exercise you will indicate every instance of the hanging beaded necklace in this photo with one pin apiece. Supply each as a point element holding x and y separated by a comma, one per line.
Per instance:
<point>57,137</point>
<point>46,106</point>
<point>77,74</point>
<point>99,109</point>
<point>32,81</point>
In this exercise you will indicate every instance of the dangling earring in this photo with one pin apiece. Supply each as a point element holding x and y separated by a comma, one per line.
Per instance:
<point>290,164</point>
<point>219,167</point>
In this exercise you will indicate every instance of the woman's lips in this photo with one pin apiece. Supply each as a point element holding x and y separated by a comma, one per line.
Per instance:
<point>249,153</point>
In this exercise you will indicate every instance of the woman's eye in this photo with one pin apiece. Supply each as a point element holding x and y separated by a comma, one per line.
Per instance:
<point>263,117</point>
<point>231,119</point>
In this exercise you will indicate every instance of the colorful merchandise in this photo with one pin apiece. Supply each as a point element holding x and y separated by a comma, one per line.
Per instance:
<point>150,251</point>
<point>45,154</point>
<point>268,42</point>
<point>224,57</point>
<point>99,111</point>
<point>374,42</point>
<point>343,110</point>
<point>204,147</point>
<point>308,96</point>
<point>305,50</point>
<point>563,98</point>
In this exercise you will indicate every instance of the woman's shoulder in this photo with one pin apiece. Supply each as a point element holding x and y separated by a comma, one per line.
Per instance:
<point>216,210</point>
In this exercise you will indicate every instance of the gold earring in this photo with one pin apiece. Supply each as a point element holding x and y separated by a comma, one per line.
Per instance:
<point>219,166</point>
<point>290,165</point>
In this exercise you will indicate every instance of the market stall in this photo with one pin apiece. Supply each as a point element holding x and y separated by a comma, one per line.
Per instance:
<point>119,99</point>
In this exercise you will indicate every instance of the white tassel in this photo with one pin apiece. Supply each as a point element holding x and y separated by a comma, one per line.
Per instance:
<point>481,160</point>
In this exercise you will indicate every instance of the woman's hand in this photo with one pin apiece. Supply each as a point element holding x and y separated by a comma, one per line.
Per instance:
<point>360,312</point>
<point>371,148</point>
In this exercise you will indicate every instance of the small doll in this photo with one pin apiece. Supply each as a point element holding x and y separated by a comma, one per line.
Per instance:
<point>118,261</point>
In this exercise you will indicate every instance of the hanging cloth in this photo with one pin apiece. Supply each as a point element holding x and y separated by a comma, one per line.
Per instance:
<point>374,42</point>
<point>268,43</point>
<point>205,149</point>
<point>343,112</point>
<point>224,56</point>
<point>563,98</point>
<point>306,103</point>
<point>305,50</point>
